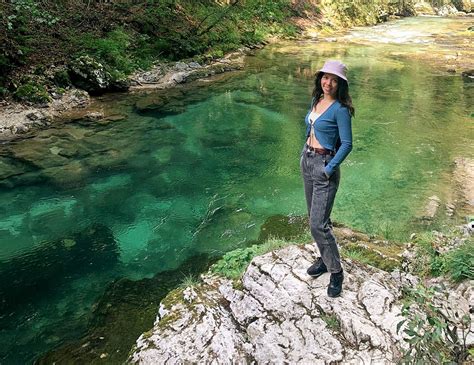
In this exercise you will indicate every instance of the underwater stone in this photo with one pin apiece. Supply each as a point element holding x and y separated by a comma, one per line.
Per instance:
<point>127,309</point>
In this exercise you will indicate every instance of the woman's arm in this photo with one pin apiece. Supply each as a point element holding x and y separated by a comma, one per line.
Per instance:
<point>343,120</point>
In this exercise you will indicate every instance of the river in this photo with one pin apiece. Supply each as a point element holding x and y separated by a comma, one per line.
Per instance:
<point>194,172</point>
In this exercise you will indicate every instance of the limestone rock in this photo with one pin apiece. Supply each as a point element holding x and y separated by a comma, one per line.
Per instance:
<point>198,329</point>
<point>447,9</point>
<point>431,207</point>
<point>89,74</point>
<point>164,76</point>
<point>278,315</point>
<point>423,8</point>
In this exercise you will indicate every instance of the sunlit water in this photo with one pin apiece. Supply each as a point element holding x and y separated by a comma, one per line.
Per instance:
<point>86,203</point>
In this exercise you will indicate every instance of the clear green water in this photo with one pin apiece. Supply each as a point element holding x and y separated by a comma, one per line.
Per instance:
<point>87,203</point>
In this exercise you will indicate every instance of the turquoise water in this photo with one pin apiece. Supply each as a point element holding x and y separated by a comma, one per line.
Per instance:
<point>86,203</point>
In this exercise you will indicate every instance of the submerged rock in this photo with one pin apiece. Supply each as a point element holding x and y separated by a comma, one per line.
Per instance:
<point>127,308</point>
<point>431,207</point>
<point>283,226</point>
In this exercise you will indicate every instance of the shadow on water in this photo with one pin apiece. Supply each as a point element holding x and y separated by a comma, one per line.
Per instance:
<point>35,275</point>
<point>127,309</point>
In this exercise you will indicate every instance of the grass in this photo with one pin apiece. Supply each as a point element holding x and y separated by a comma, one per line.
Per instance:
<point>331,321</point>
<point>368,256</point>
<point>431,260</point>
<point>190,281</point>
<point>234,263</point>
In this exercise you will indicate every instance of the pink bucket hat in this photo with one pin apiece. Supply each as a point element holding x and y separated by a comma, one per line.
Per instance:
<point>336,68</point>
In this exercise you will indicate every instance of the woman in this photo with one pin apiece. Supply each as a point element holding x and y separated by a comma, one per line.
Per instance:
<point>329,141</point>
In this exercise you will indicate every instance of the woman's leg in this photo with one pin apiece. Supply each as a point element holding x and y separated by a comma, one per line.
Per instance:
<point>323,194</point>
<point>307,182</point>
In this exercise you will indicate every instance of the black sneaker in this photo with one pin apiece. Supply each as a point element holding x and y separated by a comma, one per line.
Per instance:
<point>317,269</point>
<point>335,284</point>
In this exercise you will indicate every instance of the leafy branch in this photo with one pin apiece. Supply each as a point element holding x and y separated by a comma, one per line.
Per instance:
<point>434,331</point>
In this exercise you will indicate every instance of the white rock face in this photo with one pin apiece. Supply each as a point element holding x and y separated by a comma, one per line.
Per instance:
<point>199,329</point>
<point>280,315</point>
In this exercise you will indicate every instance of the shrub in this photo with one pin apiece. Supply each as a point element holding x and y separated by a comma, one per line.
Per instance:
<point>460,262</point>
<point>3,92</point>
<point>431,328</point>
<point>113,50</point>
<point>233,264</point>
<point>61,79</point>
<point>32,92</point>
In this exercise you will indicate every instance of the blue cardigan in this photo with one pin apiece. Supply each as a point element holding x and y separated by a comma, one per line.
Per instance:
<point>334,123</point>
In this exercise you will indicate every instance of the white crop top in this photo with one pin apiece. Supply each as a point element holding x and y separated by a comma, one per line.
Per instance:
<point>313,116</point>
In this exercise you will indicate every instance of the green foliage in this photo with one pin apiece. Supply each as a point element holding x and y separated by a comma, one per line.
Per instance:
<point>331,321</point>
<point>3,92</point>
<point>32,92</point>
<point>190,281</point>
<point>61,79</point>
<point>431,328</point>
<point>233,264</point>
<point>460,262</point>
<point>457,263</point>
<point>29,10</point>
<point>112,50</point>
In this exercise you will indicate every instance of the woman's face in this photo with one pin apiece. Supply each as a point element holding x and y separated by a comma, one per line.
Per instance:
<point>329,84</point>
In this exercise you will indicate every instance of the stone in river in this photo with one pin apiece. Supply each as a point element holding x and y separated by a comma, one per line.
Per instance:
<point>278,314</point>
<point>127,308</point>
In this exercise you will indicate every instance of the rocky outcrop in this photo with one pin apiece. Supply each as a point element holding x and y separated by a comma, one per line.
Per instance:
<point>93,79</point>
<point>164,76</point>
<point>18,119</point>
<point>278,314</point>
<point>88,74</point>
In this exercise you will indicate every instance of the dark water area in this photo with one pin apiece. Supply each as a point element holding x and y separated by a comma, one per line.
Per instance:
<point>100,219</point>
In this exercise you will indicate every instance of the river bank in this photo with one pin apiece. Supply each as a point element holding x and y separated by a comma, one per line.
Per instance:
<point>20,120</point>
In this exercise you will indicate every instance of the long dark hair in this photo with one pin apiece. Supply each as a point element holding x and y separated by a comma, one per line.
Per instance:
<point>342,92</point>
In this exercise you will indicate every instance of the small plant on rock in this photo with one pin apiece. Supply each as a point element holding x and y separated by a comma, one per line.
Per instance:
<point>32,92</point>
<point>435,332</point>
<point>189,281</point>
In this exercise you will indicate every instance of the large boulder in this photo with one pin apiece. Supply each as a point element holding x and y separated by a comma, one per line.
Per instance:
<point>424,8</point>
<point>91,75</point>
<point>278,314</point>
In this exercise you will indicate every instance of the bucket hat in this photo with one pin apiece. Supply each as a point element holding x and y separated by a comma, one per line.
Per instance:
<point>336,68</point>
